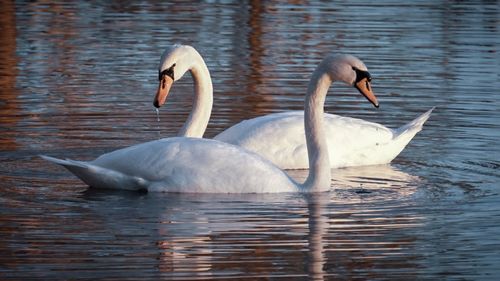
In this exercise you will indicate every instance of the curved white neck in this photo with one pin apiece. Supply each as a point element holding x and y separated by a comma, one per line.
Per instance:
<point>319,163</point>
<point>197,121</point>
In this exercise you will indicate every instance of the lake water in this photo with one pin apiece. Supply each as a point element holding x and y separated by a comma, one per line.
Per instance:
<point>77,79</point>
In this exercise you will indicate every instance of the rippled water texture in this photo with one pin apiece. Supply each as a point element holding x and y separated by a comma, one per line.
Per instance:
<point>77,79</point>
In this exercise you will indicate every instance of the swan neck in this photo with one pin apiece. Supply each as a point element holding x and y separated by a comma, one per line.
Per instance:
<point>319,163</point>
<point>197,121</point>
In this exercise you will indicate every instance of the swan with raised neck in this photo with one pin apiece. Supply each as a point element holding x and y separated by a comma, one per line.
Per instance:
<point>174,63</point>
<point>343,68</point>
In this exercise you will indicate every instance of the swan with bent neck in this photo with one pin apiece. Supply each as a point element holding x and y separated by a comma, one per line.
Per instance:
<point>280,137</point>
<point>197,165</point>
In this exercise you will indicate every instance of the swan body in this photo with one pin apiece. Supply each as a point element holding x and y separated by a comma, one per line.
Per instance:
<point>183,164</point>
<point>280,137</point>
<point>177,164</point>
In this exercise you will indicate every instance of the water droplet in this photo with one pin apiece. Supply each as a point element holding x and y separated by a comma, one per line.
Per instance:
<point>158,121</point>
<point>157,114</point>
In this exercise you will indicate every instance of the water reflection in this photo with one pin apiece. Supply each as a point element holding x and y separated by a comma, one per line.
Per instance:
<point>9,105</point>
<point>377,181</point>
<point>318,228</point>
<point>254,236</point>
<point>380,181</point>
<point>76,80</point>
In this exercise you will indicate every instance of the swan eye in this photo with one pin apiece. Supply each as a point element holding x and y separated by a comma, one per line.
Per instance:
<point>169,72</point>
<point>362,74</point>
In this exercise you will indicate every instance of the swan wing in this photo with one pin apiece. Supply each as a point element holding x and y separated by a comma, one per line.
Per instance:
<point>280,138</point>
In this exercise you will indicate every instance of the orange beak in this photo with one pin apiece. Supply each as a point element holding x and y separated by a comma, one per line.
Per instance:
<point>163,90</point>
<point>365,89</point>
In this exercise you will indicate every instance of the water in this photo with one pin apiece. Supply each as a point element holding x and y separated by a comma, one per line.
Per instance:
<point>78,80</point>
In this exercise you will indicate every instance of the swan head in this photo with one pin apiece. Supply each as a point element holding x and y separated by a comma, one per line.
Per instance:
<point>175,62</point>
<point>352,71</point>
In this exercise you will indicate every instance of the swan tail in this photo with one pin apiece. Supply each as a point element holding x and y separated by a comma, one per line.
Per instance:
<point>401,137</point>
<point>100,177</point>
<point>68,163</point>
<point>409,130</point>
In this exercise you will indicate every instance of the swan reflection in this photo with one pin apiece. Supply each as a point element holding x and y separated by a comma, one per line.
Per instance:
<point>315,235</point>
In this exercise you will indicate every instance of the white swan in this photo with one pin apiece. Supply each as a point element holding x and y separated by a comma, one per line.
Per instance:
<point>279,137</point>
<point>198,165</point>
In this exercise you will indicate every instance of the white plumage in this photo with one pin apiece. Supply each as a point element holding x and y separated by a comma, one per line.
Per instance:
<point>280,138</point>
<point>178,164</point>
<point>184,164</point>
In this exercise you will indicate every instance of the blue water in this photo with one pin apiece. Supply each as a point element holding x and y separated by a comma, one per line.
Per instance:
<point>77,79</point>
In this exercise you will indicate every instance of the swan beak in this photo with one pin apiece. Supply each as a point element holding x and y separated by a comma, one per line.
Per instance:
<point>163,90</point>
<point>364,87</point>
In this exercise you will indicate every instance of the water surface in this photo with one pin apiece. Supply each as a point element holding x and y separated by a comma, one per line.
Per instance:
<point>77,80</point>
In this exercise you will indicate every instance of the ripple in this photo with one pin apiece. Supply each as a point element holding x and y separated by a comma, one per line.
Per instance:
<point>77,80</point>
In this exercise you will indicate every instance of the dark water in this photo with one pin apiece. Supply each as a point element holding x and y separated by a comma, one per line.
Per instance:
<point>77,80</point>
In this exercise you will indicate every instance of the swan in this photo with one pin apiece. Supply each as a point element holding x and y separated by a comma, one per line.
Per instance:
<point>280,137</point>
<point>197,165</point>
